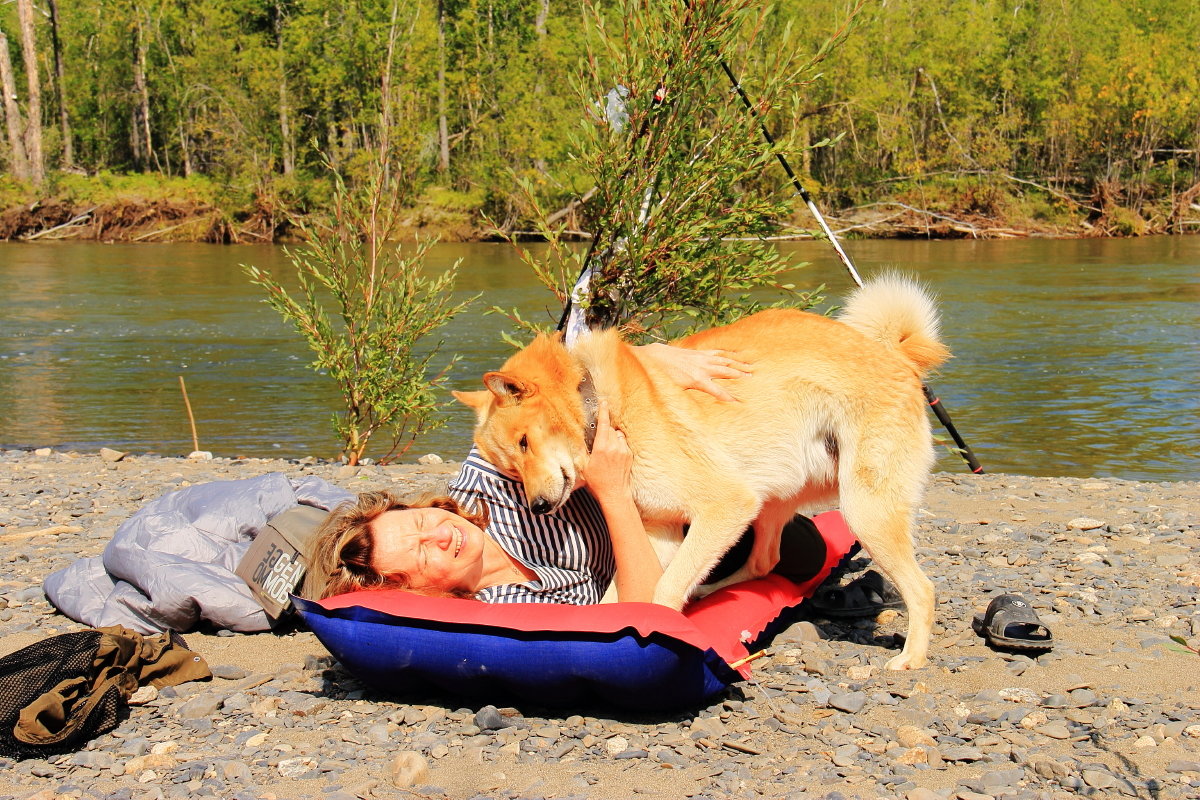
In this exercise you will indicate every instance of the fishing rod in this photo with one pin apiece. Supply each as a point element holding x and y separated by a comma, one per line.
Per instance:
<point>939,409</point>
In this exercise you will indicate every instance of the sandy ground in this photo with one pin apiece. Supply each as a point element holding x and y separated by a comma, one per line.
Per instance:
<point>1112,593</point>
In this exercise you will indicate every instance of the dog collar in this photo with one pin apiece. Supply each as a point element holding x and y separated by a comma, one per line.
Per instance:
<point>587,393</point>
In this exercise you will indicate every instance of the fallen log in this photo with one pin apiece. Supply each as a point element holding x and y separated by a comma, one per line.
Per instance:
<point>75,221</point>
<point>570,207</point>
<point>158,231</point>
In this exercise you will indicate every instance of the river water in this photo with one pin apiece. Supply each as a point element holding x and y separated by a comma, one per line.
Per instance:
<point>1072,358</point>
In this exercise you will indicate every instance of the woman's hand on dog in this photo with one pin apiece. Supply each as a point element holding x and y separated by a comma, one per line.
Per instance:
<point>699,369</point>
<point>607,471</point>
<point>607,475</point>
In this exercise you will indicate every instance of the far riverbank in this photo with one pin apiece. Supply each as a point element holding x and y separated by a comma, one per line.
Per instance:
<point>143,208</point>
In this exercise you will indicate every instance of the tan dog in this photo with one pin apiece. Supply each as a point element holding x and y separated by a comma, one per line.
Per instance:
<point>833,411</point>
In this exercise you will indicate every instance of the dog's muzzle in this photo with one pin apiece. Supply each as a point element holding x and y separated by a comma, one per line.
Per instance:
<point>542,504</point>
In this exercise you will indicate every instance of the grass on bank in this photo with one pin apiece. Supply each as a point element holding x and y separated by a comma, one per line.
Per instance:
<point>105,188</point>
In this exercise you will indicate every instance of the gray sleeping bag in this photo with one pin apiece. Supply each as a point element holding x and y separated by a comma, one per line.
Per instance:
<point>171,564</point>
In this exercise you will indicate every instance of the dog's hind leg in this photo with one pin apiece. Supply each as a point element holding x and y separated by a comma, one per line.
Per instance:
<point>884,526</point>
<point>710,535</point>
<point>764,556</point>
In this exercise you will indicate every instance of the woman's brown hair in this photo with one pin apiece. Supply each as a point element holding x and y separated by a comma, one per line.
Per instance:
<point>342,556</point>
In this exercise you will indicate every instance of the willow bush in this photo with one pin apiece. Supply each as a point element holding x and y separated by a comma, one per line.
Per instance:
<point>685,190</point>
<point>375,343</point>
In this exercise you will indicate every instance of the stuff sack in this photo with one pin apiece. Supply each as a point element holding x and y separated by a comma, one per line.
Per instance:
<point>60,692</point>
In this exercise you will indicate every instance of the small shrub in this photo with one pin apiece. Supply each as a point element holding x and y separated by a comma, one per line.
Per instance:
<point>1123,221</point>
<point>108,187</point>
<point>452,200</point>
<point>374,346</point>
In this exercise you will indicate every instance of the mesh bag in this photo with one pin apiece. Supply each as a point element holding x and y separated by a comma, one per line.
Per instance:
<point>30,673</point>
<point>65,690</point>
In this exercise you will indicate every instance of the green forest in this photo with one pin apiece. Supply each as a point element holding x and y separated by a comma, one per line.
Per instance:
<point>220,119</point>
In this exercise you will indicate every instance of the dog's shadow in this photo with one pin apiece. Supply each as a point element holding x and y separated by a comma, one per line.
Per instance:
<point>866,631</point>
<point>810,628</point>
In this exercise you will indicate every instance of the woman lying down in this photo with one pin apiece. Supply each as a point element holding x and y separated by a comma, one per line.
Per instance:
<point>482,541</point>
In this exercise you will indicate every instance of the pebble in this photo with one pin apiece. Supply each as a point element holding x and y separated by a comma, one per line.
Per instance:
<point>295,767</point>
<point>961,753</point>
<point>1099,779</point>
<point>850,702</point>
<point>200,707</point>
<point>922,794</point>
<point>489,718</point>
<point>229,672</point>
<point>143,695</point>
<point>408,769</point>
<point>616,745</point>
<point>912,736</point>
<point>151,761</point>
<point>1054,730</point>
<point>1112,710</point>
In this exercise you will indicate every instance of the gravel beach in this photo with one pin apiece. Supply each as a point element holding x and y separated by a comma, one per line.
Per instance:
<point>1111,566</point>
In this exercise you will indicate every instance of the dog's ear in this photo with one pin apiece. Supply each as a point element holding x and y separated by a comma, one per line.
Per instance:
<point>477,400</point>
<point>509,390</point>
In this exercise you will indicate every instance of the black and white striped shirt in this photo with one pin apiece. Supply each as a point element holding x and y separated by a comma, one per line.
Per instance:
<point>569,550</point>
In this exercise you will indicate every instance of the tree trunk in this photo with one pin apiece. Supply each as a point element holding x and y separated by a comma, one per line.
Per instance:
<point>443,133</point>
<point>33,128</point>
<point>185,151</point>
<point>135,123</point>
<point>386,100</point>
<point>143,147</point>
<point>60,76</point>
<point>12,114</point>
<point>285,131</point>
<point>539,27</point>
<point>287,146</point>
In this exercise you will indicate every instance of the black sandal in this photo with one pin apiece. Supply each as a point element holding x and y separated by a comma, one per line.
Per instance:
<point>864,596</point>
<point>1010,622</point>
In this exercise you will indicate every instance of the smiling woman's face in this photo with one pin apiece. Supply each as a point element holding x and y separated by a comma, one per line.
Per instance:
<point>434,549</point>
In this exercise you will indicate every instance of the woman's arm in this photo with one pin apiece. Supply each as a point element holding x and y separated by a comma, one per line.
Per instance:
<point>607,473</point>
<point>697,369</point>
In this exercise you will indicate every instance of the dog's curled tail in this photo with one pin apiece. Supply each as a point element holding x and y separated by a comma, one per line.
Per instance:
<point>894,310</point>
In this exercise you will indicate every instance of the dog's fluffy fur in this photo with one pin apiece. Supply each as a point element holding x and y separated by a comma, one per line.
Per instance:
<point>834,411</point>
